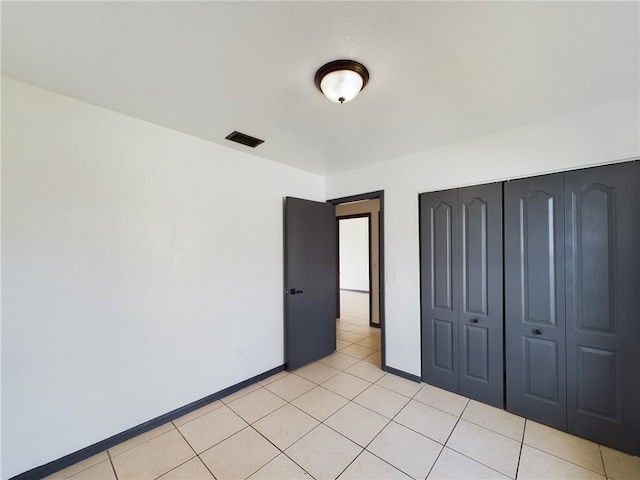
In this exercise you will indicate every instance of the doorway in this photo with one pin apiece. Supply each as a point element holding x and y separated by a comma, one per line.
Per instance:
<point>360,301</point>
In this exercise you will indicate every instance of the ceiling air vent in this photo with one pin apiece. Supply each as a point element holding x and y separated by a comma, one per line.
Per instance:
<point>244,139</point>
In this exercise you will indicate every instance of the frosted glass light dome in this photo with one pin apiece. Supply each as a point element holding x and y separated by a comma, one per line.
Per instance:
<point>341,80</point>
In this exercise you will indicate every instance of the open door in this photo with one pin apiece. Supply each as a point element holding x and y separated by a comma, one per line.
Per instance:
<point>310,281</point>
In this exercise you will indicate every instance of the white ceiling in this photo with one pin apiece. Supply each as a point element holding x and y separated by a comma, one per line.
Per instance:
<point>441,72</point>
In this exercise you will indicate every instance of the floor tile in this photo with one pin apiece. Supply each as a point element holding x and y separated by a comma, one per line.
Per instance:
<point>564,445</point>
<point>357,423</point>
<point>368,466</point>
<point>140,439</point>
<point>320,403</point>
<point>366,371</point>
<point>339,360</point>
<point>442,399</point>
<point>194,469</point>
<point>317,372</point>
<point>285,426</point>
<point>366,330</point>
<point>399,385</point>
<point>495,419</point>
<point>153,458</point>
<point>344,326</point>
<point>406,450</point>
<point>281,468</point>
<point>620,465</point>
<point>357,351</point>
<point>485,446</point>
<point>341,345</point>
<point>374,359</point>
<point>239,456</point>
<point>197,413</point>
<point>323,453</point>
<point>211,428</point>
<point>371,342</point>
<point>346,385</point>
<point>273,378</point>
<point>241,393</point>
<point>453,466</point>
<point>382,401</point>
<point>79,467</point>
<point>257,404</point>
<point>101,471</point>
<point>429,421</point>
<point>290,387</point>
<point>535,464</point>
<point>350,337</point>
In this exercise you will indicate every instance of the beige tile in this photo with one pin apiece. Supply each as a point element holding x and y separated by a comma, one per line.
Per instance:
<point>374,359</point>
<point>273,378</point>
<point>366,371</point>
<point>341,345</point>
<point>442,399</point>
<point>317,372</point>
<point>257,404</point>
<point>357,423</point>
<point>399,385</point>
<point>323,453</point>
<point>485,446</point>
<point>564,445</point>
<point>320,403</point>
<point>535,464</point>
<point>344,327</point>
<point>285,426</point>
<point>366,331</point>
<point>140,439</point>
<point>382,401</point>
<point>239,456</point>
<point>620,465</point>
<point>194,469</point>
<point>406,450</point>
<point>101,471</point>
<point>358,351</point>
<point>153,458</point>
<point>339,360</point>
<point>495,419</point>
<point>290,387</point>
<point>368,466</point>
<point>211,428</point>
<point>346,385</point>
<point>197,413</point>
<point>241,393</point>
<point>281,468</point>
<point>427,420</point>
<point>453,466</point>
<point>350,337</point>
<point>79,467</point>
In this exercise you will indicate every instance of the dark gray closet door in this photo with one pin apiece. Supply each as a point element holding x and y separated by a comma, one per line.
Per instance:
<point>602,304</point>
<point>480,293</point>
<point>438,269</point>
<point>534,299</point>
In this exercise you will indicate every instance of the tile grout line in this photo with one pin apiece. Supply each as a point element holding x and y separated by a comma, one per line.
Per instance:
<point>113,467</point>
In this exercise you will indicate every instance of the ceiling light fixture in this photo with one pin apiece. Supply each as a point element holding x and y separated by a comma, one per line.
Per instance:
<point>341,80</point>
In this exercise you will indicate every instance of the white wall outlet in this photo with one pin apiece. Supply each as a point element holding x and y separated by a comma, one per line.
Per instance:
<point>392,276</point>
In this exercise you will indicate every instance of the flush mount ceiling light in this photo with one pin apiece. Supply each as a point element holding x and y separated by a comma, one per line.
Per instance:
<point>341,80</point>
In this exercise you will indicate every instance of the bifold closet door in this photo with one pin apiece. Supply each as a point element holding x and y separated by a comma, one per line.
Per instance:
<point>534,299</point>
<point>602,243</point>
<point>462,311</point>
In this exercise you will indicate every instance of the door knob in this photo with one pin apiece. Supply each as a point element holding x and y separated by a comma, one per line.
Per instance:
<point>474,320</point>
<point>293,291</point>
<point>537,331</point>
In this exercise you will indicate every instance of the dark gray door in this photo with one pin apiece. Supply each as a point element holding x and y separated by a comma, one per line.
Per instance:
<point>310,281</point>
<point>480,293</point>
<point>534,299</point>
<point>439,272</point>
<point>602,304</point>
<point>461,297</point>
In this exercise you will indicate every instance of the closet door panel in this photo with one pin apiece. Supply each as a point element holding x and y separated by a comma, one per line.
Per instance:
<point>439,284</point>
<point>480,283</point>
<point>534,299</point>
<point>602,304</point>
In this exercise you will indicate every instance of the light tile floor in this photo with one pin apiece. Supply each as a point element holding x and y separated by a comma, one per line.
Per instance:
<point>342,417</point>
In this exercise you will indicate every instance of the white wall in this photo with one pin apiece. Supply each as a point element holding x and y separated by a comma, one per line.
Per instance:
<point>354,254</point>
<point>604,134</point>
<point>129,254</point>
